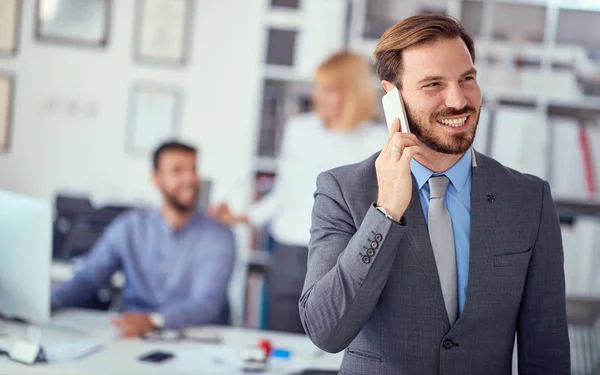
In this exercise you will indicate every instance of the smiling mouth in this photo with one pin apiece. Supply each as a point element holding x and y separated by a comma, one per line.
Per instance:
<point>454,122</point>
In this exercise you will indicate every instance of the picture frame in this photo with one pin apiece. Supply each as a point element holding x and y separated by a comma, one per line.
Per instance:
<point>10,25</point>
<point>154,116</point>
<point>82,24</point>
<point>7,94</point>
<point>163,32</point>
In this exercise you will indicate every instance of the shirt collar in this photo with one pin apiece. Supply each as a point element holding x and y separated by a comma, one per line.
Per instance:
<point>196,217</point>
<point>458,173</point>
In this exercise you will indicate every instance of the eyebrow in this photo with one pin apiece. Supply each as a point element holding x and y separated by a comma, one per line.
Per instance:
<point>438,78</point>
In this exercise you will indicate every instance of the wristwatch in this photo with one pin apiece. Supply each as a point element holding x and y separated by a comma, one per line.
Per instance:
<point>383,211</point>
<point>157,320</point>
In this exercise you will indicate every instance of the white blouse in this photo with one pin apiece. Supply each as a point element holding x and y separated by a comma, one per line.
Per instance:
<point>309,148</point>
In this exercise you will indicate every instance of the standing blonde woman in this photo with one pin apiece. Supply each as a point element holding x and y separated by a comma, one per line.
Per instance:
<point>339,131</point>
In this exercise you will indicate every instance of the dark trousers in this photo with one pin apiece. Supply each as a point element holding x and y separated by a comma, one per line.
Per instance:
<point>285,279</point>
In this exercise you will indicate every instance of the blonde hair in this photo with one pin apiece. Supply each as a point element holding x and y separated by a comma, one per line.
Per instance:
<point>350,73</point>
<point>414,31</point>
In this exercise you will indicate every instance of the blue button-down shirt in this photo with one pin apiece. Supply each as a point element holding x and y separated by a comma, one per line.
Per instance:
<point>182,275</point>
<point>458,202</point>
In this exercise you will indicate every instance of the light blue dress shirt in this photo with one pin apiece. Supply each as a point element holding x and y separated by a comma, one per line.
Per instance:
<point>458,202</point>
<point>183,275</point>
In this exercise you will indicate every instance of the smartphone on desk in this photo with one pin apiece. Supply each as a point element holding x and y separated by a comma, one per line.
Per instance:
<point>156,357</point>
<point>393,107</point>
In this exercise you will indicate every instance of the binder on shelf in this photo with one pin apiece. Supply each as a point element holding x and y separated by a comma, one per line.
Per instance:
<point>272,119</point>
<point>255,306</point>
<point>581,243</point>
<point>568,175</point>
<point>519,140</point>
<point>263,183</point>
<point>593,137</point>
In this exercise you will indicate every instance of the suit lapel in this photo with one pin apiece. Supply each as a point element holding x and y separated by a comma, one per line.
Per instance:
<point>418,235</point>
<point>484,217</point>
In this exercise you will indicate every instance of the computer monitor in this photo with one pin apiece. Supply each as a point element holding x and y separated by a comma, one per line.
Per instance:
<point>25,257</point>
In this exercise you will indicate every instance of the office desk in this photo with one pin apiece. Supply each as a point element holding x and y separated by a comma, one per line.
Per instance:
<point>119,356</point>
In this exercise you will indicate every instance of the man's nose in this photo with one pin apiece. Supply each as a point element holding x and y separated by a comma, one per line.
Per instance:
<point>455,97</point>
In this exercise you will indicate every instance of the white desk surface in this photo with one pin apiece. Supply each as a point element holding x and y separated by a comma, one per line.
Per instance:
<point>119,356</point>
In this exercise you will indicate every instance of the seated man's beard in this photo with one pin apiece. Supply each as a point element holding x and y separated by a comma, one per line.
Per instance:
<point>457,144</point>
<point>178,206</point>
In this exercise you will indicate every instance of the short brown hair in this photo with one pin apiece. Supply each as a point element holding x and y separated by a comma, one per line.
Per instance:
<point>170,146</point>
<point>350,73</point>
<point>414,31</point>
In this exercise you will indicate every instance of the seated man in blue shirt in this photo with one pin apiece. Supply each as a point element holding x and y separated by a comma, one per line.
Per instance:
<point>177,262</point>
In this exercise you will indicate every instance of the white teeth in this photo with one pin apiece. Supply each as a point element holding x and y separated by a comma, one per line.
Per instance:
<point>456,122</point>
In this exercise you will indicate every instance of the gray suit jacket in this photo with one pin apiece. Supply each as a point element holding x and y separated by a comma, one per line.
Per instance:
<point>387,310</point>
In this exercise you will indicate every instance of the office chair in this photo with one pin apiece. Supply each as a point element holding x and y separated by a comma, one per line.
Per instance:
<point>84,231</point>
<point>77,227</point>
<point>66,208</point>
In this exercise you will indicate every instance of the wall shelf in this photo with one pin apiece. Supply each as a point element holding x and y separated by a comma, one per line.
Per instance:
<point>265,164</point>
<point>285,18</point>
<point>587,107</point>
<point>571,207</point>
<point>283,73</point>
<point>585,5</point>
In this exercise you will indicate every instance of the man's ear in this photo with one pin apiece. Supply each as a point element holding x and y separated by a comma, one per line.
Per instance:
<point>387,85</point>
<point>155,178</point>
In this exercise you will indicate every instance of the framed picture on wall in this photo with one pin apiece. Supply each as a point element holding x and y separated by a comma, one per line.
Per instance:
<point>79,23</point>
<point>10,20</point>
<point>7,91</point>
<point>155,116</point>
<point>163,31</point>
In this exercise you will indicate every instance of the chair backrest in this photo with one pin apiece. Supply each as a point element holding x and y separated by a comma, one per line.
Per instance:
<point>66,208</point>
<point>84,232</point>
<point>78,225</point>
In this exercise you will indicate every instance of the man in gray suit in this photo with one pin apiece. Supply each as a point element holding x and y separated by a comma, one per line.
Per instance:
<point>428,257</point>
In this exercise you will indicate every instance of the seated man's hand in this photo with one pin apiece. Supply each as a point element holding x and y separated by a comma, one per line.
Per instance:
<point>223,213</point>
<point>133,324</point>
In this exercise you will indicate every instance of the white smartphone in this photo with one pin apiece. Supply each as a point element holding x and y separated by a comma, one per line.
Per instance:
<point>393,107</point>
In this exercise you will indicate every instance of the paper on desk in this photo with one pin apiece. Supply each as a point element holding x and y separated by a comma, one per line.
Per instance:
<point>225,360</point>
<point>213,359</point>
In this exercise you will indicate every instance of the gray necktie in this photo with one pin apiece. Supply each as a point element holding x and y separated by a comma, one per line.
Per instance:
<point>442,241</point>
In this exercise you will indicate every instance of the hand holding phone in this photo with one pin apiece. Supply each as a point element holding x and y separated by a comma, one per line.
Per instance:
<point>392,166</point>
<point>393,107</point>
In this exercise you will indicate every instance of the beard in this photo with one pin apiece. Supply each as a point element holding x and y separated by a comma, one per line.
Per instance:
<point>179,206</point>
<point>455,144</point>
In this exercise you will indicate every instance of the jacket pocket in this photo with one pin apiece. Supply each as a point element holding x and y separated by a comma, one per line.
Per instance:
<point>515,259</point>
<point>363,354</point>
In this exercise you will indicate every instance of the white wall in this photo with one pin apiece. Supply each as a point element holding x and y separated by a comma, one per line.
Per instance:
<point>53,150</point>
